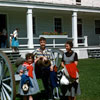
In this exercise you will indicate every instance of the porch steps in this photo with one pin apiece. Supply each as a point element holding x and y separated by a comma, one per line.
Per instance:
<point>13,56</point>
<point>94,53</point>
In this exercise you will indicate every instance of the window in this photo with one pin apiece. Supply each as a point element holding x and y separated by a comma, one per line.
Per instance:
<point>58,25</point>
<point>34,26</point>
<point>97,26</point>
<point>78,2</point>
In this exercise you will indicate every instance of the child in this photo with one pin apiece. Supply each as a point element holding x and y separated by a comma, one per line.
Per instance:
<point>28,84</point>
<point>69,63</point>
<point>45,70</point>
<point>14,40</point>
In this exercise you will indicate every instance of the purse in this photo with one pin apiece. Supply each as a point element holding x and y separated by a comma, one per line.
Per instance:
<point>64,80</point>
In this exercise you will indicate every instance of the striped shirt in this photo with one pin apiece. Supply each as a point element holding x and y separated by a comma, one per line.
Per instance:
<point>46,53</point>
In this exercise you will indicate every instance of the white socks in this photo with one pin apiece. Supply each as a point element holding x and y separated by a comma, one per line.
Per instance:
<point>56,91</point>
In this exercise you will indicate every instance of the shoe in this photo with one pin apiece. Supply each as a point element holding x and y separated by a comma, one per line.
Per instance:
<point>56,97</point>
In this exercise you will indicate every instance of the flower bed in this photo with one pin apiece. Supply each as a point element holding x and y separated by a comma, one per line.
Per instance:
<point>54,33</point>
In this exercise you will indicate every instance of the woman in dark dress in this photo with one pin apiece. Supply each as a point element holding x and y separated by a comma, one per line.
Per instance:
<point>70,62</point>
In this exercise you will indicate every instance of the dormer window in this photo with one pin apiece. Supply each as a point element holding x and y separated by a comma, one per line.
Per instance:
<point>78,2</point>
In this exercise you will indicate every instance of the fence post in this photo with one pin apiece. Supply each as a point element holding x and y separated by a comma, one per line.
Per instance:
<point>54,42</point>
<point>85,41</point>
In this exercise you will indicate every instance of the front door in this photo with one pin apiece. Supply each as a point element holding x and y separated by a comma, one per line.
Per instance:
<point>3,26</point>
<point>3,22</point>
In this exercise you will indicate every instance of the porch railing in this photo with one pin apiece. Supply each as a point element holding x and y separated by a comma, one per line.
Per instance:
<point>84,41</point>
<point>54,43</point>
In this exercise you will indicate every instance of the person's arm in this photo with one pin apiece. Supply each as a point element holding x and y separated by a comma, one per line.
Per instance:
<point>52,61</point>
<point>20,72</point>
<point>62,64</point>
<point>62,61</point>
<point>36,60</point>
<point>76,62</point>
<point>35,56</point>
<point>76,59</point>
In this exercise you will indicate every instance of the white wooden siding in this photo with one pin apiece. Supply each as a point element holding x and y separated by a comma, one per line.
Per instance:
<point>55,1</point>
<point>45,22</point>
<point>93,3</point>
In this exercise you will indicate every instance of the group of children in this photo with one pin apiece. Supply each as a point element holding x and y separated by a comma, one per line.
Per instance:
<point>29,85</point>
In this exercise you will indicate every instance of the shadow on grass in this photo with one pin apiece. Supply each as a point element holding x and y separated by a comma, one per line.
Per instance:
<point>40,96</point>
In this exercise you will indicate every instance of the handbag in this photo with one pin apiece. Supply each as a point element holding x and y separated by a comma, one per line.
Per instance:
<point>64,80</point>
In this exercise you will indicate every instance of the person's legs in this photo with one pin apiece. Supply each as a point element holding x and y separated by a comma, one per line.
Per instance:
<point>10,42</point>
<point>57,91</point>
<point>24,97</point>
<point>46,82</point>
<point>71,98</point>
<point>13,49</point>
<point>30,98</point>
<point>16,49</point>
<point>5,44</point>
<point>2,45</point>
<point>53,79</point>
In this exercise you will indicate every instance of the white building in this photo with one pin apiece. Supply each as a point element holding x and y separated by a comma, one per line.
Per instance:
<point>78,18</point>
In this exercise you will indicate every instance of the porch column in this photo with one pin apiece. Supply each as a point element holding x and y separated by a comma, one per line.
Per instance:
<point>29,28</point>
<point>74,29</point>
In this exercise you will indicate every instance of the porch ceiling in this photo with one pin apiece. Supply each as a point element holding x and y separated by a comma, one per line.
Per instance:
<point>52,11</point>
<point>12,9</point>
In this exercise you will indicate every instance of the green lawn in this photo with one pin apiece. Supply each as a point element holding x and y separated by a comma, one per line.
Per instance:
<point>89,79</point>
<point>89,70</point>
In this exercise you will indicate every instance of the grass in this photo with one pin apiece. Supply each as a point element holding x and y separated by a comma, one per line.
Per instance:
<point>89,70</point>
<point>89,79</point>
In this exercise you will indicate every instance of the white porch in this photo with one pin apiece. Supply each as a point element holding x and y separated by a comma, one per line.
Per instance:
<point>21,15</point>
<point>74,34</point>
